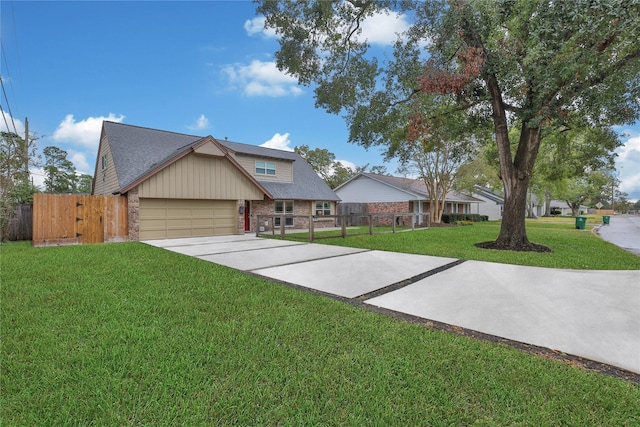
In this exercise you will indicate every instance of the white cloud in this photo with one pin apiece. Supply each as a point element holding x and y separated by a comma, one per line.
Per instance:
<point>261,78</point>
<point>628,166</point>
<point>80,162</point>
<point>383,28</point>
<point>200,124</point>
<point>256,26</point>
<point>6,119</point>
<point>85,132</point>
<point>347,164</point>
<point>37,176</point>
<point>279,142</point>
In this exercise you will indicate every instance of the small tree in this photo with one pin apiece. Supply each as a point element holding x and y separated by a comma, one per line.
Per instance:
<point>16,156</point>
<point>60,175</point>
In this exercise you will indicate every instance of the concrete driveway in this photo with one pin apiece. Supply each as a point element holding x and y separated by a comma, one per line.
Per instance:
<point>591,314</point>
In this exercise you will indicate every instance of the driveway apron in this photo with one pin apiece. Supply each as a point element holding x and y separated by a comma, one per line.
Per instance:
<point>591,314</point>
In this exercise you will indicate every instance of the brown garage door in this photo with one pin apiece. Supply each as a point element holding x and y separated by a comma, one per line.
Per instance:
<point>171,218</point>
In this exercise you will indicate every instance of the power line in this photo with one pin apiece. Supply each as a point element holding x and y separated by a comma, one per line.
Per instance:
<point>6,66</point>
<point>4,117</point>
<point>15,130</point>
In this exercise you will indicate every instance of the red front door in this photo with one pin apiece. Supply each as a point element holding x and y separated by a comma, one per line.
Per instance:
<point>247,215</point>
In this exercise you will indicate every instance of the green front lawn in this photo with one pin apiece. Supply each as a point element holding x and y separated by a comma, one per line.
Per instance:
<point>576,249</point>
<point>127,334</point>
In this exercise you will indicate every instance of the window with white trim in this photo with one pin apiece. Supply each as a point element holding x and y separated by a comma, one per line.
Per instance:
<point>265,168</point>
<point>283,207</point>
<point>323,208</point>
<point>105,162</point>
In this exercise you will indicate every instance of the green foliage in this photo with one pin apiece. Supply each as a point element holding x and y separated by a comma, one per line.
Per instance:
<point>451,218</point>
<point>15,186</point>
<point>59,171</point>
<point>173,340</point>
<point>530,65</point>
<point>325,164</point>
<point>332,171</point>
<point>60,174</point>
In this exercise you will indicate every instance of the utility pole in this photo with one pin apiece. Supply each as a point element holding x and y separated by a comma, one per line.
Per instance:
<point>26,148</point>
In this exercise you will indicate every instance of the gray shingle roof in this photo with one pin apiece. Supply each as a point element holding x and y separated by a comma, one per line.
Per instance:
<point>137,151</point>
<point>418,187</point>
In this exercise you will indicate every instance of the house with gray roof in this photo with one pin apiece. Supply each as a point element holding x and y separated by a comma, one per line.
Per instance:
<point>180,185</point>
<point>392,194</point>
<point>493,205</point>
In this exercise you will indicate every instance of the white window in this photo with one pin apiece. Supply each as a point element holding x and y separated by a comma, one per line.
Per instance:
<point>265,168</point>
<point>104,161</point>
<point>284,207</point>
<point>323,208</point>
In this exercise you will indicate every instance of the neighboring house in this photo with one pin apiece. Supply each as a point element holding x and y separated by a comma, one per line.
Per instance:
<point>564,208</point>
<point>493,203</point>
<point>181,185</point>
<point>558,207</point>
<point>390,194</point>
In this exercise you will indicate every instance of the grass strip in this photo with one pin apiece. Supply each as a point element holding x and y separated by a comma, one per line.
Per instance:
<point>571,248</point>
<point>127,334</point>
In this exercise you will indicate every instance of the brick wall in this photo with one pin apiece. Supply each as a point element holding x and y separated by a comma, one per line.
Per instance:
<point>133,208</point>
<point>391,207</point>
<point>302,209</point>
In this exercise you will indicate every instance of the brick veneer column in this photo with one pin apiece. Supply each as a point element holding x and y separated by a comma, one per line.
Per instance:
<point>133,202</point>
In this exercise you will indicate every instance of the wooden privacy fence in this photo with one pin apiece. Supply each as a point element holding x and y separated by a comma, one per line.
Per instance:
<point>69,219</point>
<point>20,223</point>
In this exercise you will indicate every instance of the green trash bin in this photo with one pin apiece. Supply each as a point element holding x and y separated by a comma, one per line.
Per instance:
<point>581,222</point>
<point>606,219</point>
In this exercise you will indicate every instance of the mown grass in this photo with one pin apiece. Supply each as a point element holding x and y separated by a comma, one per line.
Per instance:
<point>571,248</point>
<point>127,334</point>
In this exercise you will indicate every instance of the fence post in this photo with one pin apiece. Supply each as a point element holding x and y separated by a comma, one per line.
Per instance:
<point>393,223</point>
<point>344,226</point>
<point>310,228</point>
<point>371,224</point>
<point>282,226</point>
<point>257,225</point>
<point>413,222</point>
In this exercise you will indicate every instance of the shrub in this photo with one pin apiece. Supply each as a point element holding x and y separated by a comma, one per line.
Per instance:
<point>451,218</point>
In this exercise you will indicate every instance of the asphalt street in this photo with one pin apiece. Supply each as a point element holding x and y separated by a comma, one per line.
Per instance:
<point>623,231</point>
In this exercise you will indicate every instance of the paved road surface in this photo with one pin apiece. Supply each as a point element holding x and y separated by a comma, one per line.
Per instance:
<point>623,231</point>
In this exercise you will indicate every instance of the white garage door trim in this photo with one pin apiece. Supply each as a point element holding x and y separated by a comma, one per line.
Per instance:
<point>173,218</point>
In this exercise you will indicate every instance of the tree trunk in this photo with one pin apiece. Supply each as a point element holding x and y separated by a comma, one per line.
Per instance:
<point>515,176</point>
<point>547,203</point>
<point>513,233</point>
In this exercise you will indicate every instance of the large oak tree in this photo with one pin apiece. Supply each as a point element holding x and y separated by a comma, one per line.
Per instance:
<point>530,65</point>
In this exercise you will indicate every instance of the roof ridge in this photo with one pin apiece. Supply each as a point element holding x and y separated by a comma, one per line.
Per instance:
<point>156,130</point>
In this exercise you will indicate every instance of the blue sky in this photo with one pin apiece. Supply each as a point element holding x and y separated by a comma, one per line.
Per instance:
<point>203,68</point>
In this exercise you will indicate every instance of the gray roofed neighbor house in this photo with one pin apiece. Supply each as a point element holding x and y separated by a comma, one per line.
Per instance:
<point>417,187</point>
<point>137,151</point>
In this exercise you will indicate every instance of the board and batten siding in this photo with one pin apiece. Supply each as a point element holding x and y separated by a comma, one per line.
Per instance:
<point>200,177</point>
<point>284,168</point>
<point>106,180</point>
<point>367,190</point>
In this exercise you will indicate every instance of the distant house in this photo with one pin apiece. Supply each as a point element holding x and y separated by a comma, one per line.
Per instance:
<point>180,185</point>
<point>391,194</point>
<point>561,207</point>
<point>493,205</point>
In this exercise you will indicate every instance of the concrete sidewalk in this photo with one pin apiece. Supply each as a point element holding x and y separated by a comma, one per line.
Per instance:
<point>591,314</point>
